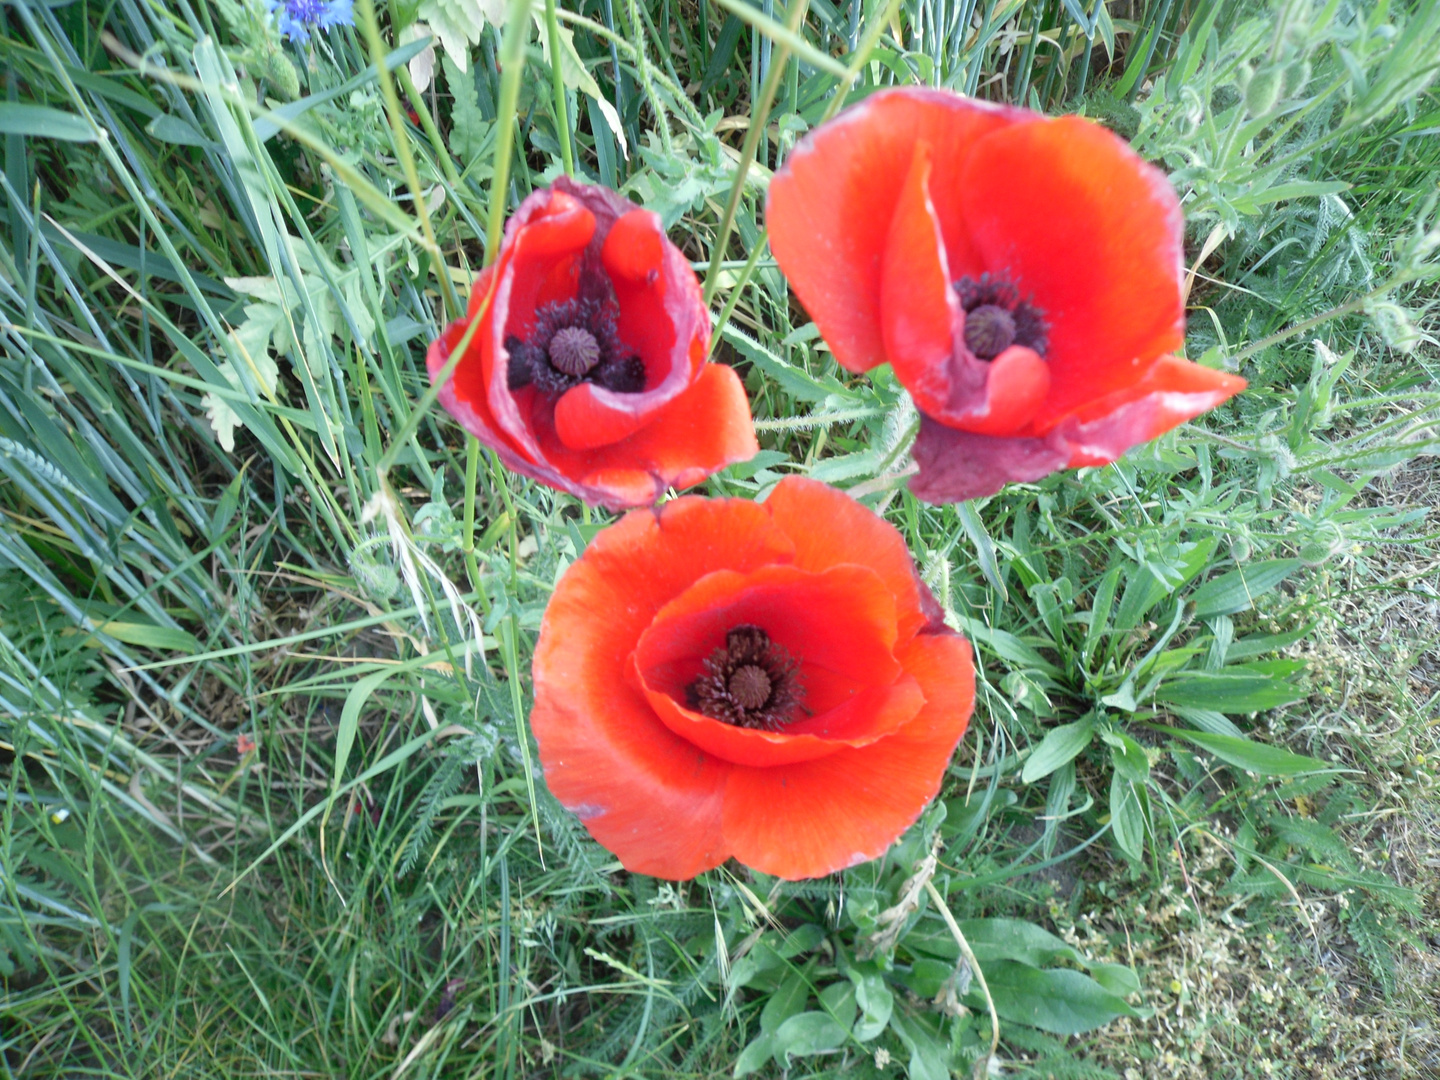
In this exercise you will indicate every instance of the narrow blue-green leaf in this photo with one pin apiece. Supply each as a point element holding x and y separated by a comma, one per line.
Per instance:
<point>984,547</point>
<point>41,121</point>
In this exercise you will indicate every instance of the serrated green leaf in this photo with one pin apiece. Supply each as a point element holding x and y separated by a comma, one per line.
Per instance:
<point>469,130</point>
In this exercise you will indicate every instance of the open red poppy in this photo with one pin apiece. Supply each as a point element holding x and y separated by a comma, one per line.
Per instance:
<point>587,371</point>
<point>1022,276</point>
<point>769,681</point>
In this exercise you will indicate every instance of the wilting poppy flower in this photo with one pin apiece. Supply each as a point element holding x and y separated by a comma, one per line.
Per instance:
<point>1021,275</point>
<point>587,371</point>
<point>770,681</point>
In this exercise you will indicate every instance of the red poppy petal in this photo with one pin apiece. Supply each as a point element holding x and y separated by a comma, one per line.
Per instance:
<point>838,624</point>
<point>820,816</point>
<point>702,430</point>
<point>918,308</point>
<point>645,794</point>
<point>470,409</point>
<point>851,534</point>
<point>959,465</point>
<point>1015,387</point>
<point>661,313</point>
<point>1090,234</point>
<point>1172,391</point>
<point>634,247</point>
<point>830,207</point>
<point>872,714</point>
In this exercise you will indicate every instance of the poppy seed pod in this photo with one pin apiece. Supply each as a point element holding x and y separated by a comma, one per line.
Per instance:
<point>586,369</point>
<point>1021,275</point>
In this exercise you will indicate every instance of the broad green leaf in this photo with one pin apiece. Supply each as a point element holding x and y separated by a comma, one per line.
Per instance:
<point>1228,693</point>
<point>1252,756</point>
<point>808,1033</point>
<point>41,121</point>
<point>802,939</point>
<point>1116,978</point>
<point>173,129</point>
<point>755,1056</point>
<point>1017,940</point>
<point>876,1003</point>
<point>788,999</point>
<point>838,1002</point>
<point>1128,757</point>
<point>150,636</point>
<point>1100,609</point>
<point>1058,1000</point>
<point>1237,590</point>
<point>1207,720</point>
<point>1061,744</point>
<point>928,1057</point>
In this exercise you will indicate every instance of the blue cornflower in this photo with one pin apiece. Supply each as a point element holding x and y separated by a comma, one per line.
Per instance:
<point>296,18</point>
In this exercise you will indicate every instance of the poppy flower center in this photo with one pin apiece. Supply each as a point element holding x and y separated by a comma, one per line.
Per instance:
<point>574,341</point>
<point>996,317</point>
<point>574,351</point>
<point>752,682</point>
<point>989,331</point>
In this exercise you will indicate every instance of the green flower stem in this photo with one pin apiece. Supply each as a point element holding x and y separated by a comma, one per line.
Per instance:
<point>759,117</point>
<point>557,87</point>
<point>467,536</point>
<point>376,45</point>
<point>739,288</point>
<point>512,63</point>
<point>427,124</point>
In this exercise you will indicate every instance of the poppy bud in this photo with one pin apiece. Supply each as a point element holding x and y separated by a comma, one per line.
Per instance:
<point>1262,93</point>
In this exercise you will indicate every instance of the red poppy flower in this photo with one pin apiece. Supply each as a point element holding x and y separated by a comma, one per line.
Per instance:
<point>587,371</point>
<point>1022,276</point>
<point>770,681</point>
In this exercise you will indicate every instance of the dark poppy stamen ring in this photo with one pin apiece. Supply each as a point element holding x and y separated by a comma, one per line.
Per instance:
<point>996,317</point>
<point>752,682</point>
